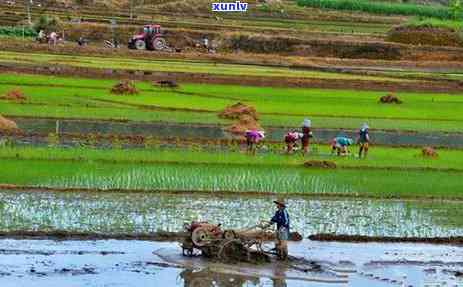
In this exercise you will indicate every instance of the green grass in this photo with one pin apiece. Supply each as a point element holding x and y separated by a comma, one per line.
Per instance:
<point>176,66</point>
<point>379,157</point>
<point>382,8</point>
<point>60,97</point>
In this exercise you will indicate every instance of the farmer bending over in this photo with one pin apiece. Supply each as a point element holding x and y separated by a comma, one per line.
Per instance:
<point>290,139</point>
<point>306,135</point>
<point>339,144</point>
<point>281,218</point>
<point>363,140</point>
<point>252,139</point>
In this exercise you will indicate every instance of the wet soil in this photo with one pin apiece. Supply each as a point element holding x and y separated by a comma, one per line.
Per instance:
<point>456,240</point>
<point>140,263</point>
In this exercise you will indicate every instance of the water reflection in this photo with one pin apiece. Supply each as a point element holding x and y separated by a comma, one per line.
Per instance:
<point>207,278</point>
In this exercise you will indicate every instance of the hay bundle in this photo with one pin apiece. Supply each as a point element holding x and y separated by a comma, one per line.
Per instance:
<point>15,95</point>
<point>124,88</point>
<point>7,125</point>
<point>390,99</point>
<point>429,152</point>
<point>238,110</point>
<point>244,123</point>
<point>320,164</point>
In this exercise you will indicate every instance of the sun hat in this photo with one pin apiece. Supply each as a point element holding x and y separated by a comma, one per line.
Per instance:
<point>365,126</point>
<point>306,123</point>
<point>280,201</point>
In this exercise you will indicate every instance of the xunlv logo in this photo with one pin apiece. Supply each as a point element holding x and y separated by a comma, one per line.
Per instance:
<point>230,7</point>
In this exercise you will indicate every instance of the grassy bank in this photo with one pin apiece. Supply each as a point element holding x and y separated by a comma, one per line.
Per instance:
<point>379,157</point>
<point>60,97</point>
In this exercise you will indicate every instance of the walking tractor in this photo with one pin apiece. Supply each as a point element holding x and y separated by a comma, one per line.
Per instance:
<point>151,38</point>
<point>227,245</point>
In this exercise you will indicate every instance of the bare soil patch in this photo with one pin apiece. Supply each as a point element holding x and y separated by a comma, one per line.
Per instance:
<point>426,36</point>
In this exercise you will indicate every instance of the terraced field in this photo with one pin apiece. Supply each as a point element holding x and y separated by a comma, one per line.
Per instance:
<point>90,164</point>
<point>61,97</point>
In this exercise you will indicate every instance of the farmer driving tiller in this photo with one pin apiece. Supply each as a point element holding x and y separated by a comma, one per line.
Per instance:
<point>239,245</point>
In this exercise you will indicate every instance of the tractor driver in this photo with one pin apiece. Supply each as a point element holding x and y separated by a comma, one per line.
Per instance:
<point>281,218</point>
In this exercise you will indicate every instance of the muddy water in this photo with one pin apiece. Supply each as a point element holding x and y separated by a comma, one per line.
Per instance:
<point>44,263</point>
<point>148,212</point>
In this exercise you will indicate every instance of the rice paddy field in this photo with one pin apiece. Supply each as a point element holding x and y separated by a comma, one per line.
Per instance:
<point>125,213</point>
<point>61,97</point>
<point>108,184</point>
<point>380,176</point>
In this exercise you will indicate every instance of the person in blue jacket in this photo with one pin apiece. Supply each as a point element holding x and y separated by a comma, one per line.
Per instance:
<point>339,145</point>
<point>281,218</point>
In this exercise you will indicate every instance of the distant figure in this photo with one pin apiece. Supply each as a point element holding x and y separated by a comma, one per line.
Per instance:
<point>82,41</point>
<point>206,42</point>
<point>253,137</point>
<point>53,38</point>
<point>306,135</point>
<point>41,37</point>
<point>363,140</point>
<point>290,139</point>
<point>339,145</point>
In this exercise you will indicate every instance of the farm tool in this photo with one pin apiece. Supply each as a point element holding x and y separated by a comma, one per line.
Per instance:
<point>227,245</point>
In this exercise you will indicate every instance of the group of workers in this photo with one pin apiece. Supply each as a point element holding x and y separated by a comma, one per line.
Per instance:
<point>52,38</point>
<point>339,144</point>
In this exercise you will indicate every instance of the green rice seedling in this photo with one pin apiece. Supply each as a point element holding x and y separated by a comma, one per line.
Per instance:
<point>383,8</point>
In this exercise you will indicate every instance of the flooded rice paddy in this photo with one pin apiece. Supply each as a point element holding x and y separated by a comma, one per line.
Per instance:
<point>45,263</point>
<point>140,212</point>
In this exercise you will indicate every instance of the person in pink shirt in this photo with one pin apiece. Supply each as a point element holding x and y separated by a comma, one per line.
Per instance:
<point>253,137</point>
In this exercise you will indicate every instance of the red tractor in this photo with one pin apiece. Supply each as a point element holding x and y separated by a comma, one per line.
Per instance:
<point>150,38</point>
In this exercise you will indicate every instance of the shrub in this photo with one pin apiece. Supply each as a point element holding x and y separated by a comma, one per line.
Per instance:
<point>47,23</point>
<point>18,31</point>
